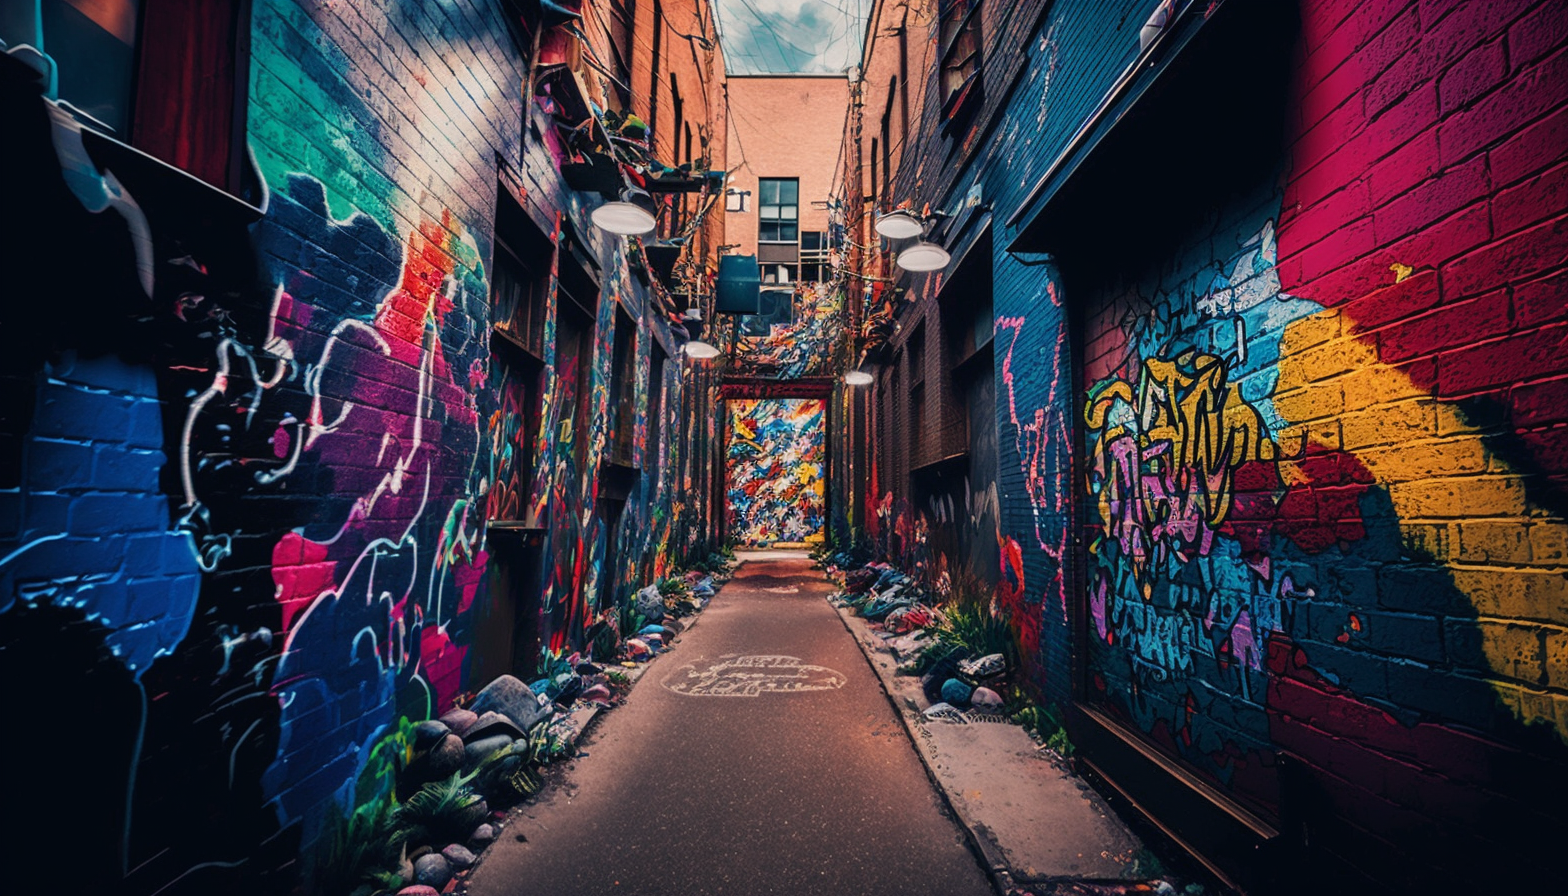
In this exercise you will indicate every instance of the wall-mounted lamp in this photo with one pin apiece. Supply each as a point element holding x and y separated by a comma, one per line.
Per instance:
<point>923,257</point>
<point>631,215</point>
<point>858,378</point>
<point>696,348</point>
<point>899,225</point>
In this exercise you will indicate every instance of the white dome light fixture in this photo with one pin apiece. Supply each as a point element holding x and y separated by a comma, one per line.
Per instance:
<point>923,257</point>
<point>899,225</point>
<point>858,378</point>
<point>696,348</point>
<point>631,215</point>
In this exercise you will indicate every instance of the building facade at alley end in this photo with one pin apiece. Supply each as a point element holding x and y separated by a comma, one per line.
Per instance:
<point>1237,388</point>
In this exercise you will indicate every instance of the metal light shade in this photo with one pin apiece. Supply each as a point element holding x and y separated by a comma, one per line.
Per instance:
<point>631,215</point>
<point>696,348</point>
<point>898,225</point>
<point>922,257</point>
<point>858,378</point>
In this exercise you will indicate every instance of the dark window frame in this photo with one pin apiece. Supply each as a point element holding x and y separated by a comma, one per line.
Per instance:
<point>960,56</point>
<point>184,99</point>
<point>779,234</point>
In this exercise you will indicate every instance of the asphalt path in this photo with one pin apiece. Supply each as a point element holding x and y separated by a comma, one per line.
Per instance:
<point>760,756</point>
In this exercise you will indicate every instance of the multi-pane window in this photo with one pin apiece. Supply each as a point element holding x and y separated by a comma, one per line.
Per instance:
<point>778,273</point>
<point>779,210</point>
<point>814,266</point>
<point>959,26</point>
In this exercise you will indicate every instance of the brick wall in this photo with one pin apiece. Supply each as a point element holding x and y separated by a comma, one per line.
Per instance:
<point>244,515</point>
<point>1349,622</point>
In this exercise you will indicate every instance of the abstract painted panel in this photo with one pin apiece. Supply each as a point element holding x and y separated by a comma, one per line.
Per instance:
<point>776,462</point>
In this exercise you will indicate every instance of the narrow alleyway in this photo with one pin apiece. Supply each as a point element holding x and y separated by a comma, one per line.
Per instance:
<point>767,776</point>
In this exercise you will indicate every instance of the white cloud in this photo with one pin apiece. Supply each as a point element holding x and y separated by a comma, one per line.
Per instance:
<point>778,36</point>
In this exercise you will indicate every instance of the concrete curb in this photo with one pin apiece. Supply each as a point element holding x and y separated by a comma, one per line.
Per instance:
<point>985,851</point>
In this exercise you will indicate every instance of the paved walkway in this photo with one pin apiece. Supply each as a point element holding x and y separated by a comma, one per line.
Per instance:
<point>759,757</point>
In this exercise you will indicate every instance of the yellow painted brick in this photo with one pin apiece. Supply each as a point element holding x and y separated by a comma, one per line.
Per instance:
<point>1515,593</point>
<point>1428,540</point>
<point>1494,541</point>
<point>1377,384</point>
<point>1556,659</point>
<point>1389,424</point>
<point>1322,433</point>
<point>1421,460</point>
<point>1314,330</point>
<point>1297,368</point>
<point>1549,541</point>
<point>1314,402</point>
<point>1459,497</point>
<point>1513,650</point>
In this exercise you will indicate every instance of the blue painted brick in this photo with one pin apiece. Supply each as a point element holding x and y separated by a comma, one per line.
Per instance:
<point>10,514</point>
<point>108,514</point>
<point>54,466</point>
<point>146,423</point>
<point>71,412</point>
<point>45,514</point>
<point>122,469</point>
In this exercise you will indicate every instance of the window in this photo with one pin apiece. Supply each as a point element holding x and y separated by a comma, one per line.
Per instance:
<point>916,356</point>
<point>620,25</point>
<point>779,210</point>
<point>960,45</point>
<point>623,389</point>
<point>518,289</point>
<point>652,460</point>
<point>814,266</point>
<point>778,273</point>
<point>165,76</point>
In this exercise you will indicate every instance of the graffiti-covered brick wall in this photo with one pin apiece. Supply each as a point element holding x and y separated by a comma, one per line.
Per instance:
<point>1280,471</point>
<point>252,445</point>
<point>1322,474</point>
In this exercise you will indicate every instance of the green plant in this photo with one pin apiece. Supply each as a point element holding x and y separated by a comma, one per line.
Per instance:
<point>443,811</point>
<point>364,846</point>
<point>1060,743</point>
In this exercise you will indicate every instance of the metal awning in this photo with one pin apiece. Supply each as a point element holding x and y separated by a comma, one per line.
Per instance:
<point>1210,62</point>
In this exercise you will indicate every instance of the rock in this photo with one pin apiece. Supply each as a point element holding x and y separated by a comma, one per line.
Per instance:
<point>491,724</point>
<point>432,870</point>
<point>446,758</point>
<point>419,852</point>
<point>588,669</point>
<point>597,693</point>
<point>458,856</point>
<point>429,733</point>
<point>650,603</point>
<point>460,720</point>
<point>419,890</point>
<point>483,836</point>
<point>986,697</point>
<point>956,692</point>
<point>480,750</point>
<point>511,698</point>
<point>984,667</point>
<point>636,647</point>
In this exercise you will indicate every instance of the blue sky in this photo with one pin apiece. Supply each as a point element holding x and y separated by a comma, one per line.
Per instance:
<point>791,35</point>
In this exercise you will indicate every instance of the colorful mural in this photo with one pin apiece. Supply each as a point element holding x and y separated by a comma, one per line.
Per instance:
<point>776,468</point>
<point>796,341</point>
